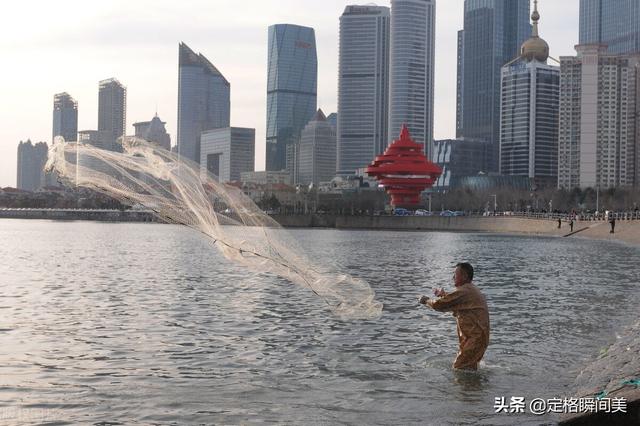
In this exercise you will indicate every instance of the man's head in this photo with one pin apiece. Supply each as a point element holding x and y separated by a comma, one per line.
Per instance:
<point>463,274</point>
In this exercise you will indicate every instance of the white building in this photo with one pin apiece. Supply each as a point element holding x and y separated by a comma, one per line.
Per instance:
<point>599,104</point>
<point>227,152</point>
<point>317,151</point>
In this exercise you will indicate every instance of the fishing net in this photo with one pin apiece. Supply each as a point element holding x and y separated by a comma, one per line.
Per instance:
<point>179,191</point>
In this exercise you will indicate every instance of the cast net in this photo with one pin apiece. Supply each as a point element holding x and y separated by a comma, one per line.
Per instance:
<point>179,192</point>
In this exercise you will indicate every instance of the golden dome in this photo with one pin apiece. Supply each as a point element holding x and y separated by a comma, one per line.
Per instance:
<point>535,48</point>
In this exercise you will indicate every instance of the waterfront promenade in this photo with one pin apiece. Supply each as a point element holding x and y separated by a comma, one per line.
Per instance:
<point>626,231</point>
<point>627,225</point>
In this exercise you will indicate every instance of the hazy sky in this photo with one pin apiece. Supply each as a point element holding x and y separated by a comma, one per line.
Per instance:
<point>69,45</point>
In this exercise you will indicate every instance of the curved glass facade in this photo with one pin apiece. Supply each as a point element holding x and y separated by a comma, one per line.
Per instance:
<point>292,83</point>
<point>203,101</point>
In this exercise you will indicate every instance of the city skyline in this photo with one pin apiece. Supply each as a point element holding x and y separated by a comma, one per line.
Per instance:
<point>112,42</point>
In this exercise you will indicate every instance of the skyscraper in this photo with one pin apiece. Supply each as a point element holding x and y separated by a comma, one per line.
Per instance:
<point>154,131</point>
<point>112,109</point>
<point>412,69</point>
<point>292,83</point>
<point>459,83</point>
<point>31,161</point>
<point>203,101</point>
<point>615,23</point>
<point>599,125</point>
<point>529,113</point>
<point>65,117</point>
<point>494,30</point>
<point>363,86</point>
<point>317,152</point>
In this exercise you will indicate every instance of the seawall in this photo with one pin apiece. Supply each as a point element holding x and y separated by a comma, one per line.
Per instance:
<point>80,214</point>
<point>625,231</point>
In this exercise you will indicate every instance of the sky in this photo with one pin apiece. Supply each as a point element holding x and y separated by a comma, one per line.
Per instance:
<point>49,47</point>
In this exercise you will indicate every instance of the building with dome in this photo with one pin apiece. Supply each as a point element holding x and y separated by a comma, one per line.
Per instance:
<point>529,109</point>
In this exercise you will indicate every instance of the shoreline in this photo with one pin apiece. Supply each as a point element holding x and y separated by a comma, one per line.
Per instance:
<point>626,231</point>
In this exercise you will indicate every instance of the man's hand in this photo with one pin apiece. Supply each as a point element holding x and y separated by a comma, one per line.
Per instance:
<point>423,300</point>
<point>439,292</point>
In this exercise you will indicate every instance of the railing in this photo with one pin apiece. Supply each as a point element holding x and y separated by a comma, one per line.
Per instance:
<point>625,215</point>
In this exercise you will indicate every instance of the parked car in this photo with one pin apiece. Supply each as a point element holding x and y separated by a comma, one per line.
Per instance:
<point>401,212</point>
<point>422,212</point>
<point>447,213</point>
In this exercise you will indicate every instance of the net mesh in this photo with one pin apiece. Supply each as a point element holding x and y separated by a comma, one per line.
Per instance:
<point>179,192</point>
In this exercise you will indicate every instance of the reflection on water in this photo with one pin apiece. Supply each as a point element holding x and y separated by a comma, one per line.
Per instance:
<point>144,323</point>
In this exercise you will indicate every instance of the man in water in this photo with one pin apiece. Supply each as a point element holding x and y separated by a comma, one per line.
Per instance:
<point>469,307</point>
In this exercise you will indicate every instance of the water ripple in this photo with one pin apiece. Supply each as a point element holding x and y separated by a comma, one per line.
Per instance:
<point>132,323</point>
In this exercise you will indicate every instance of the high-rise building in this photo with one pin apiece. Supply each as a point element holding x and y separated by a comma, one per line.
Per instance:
<point>228,152</point>
<point>459,83</point>
<point>31,161</point>
<point>333,120</point>
<point>112,109</point>
<point>363,86</point>
<point>317,152</point>
<point>615,23</point>
<point>154,131</point>
<point>599,125</point>
<point>529,113</point>
<point>412,69</point>
<point>65,117</point>
<point>203,101</point>
<point>292,83</point>
<point>493,32</point>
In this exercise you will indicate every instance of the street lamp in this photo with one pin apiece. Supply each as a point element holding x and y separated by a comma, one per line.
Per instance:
<point>495,202</point>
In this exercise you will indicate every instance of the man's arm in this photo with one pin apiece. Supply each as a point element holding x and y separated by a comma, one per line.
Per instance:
<point>447,303</point>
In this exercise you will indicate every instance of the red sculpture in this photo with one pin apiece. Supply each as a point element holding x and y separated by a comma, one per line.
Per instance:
<point>404,171</point>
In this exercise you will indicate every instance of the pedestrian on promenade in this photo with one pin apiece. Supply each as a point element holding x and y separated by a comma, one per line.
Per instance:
<point>571,225</point>
<point>469,307</point>
<point>613,225</point>
<point>559,223</point>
